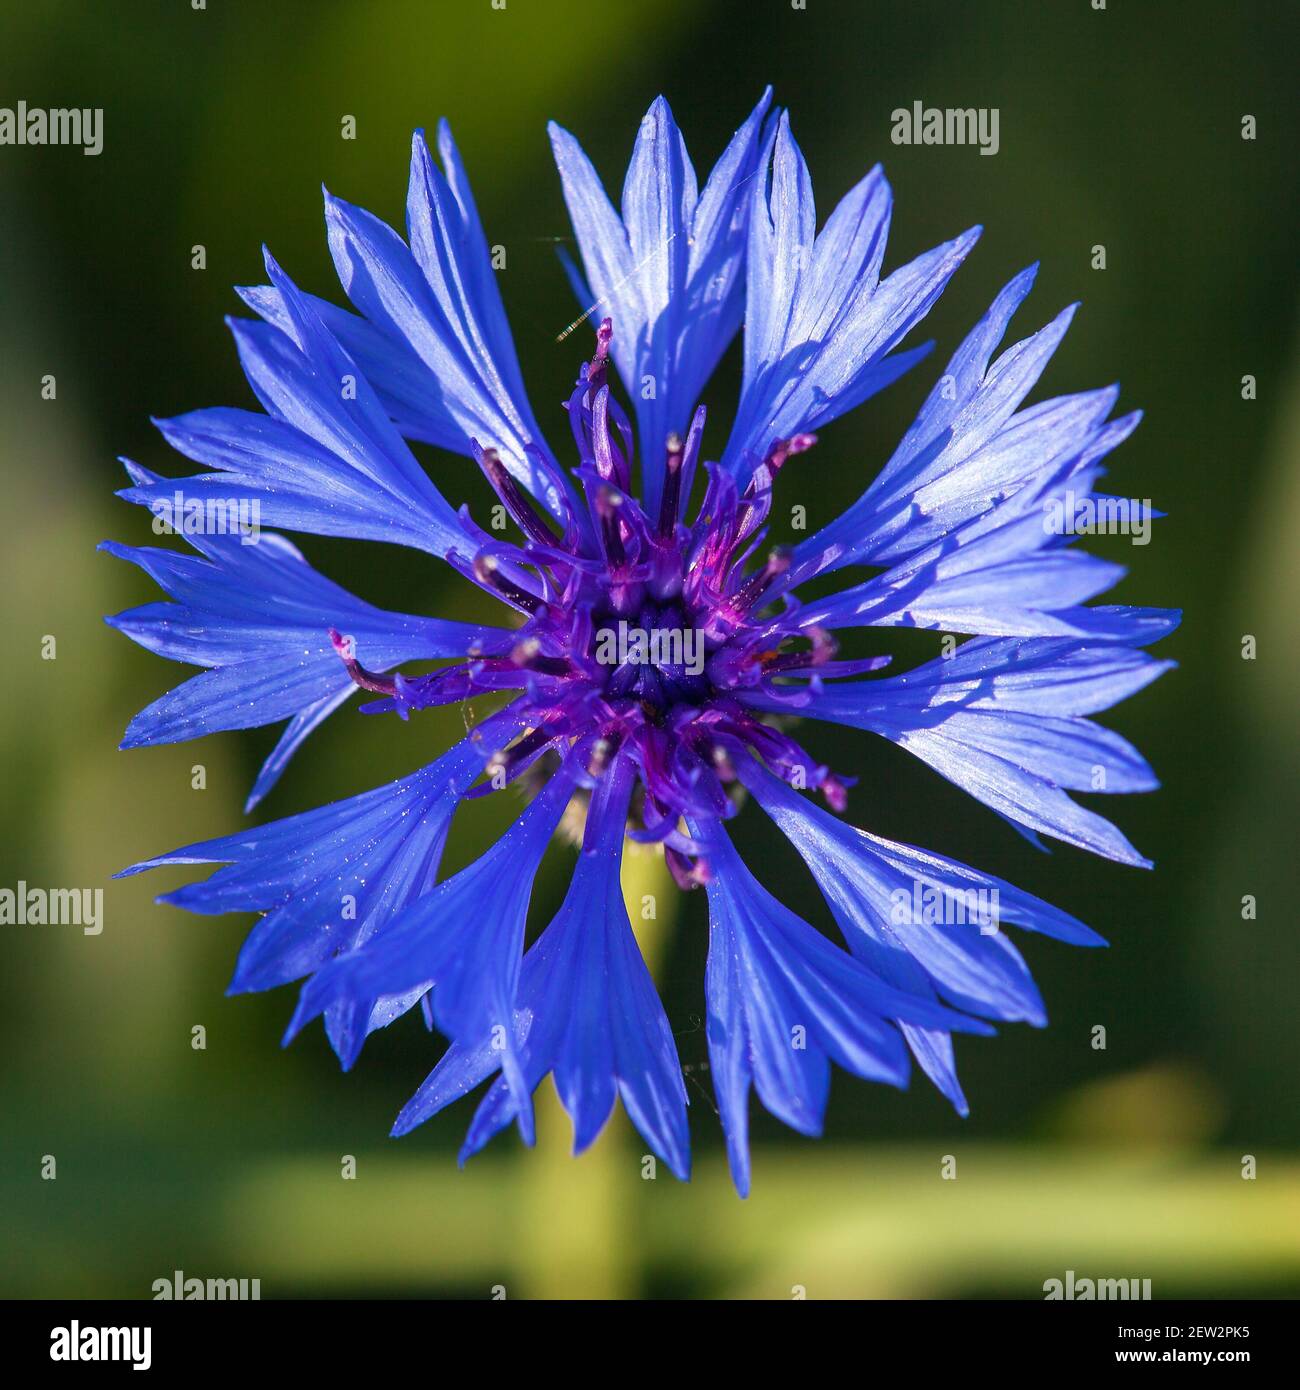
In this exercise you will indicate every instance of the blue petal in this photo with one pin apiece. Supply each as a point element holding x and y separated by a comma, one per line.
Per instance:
<point>922,922</point>
<point>588,1011</point>
<point>330,879</point>
<point>1004,571</point>
<point>296,733</point>
<point>465,936</point>
<point>783,1002</point>
<point>1122,623</point>
<point>439,298</point>
<point>965,449</point>
<point>668,272</point>
<point>404,385</point>
<point>1002,719</point>
<point>972,964</point>
<point>819,322</point>
<point>259,617</point>
<point>434,342</point>
<point>325,458</point>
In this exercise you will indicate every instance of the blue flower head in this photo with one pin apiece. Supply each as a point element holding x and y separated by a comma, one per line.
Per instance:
<point>651,647</point>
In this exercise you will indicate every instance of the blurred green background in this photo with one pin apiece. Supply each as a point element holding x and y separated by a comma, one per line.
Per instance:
<point>1120,127</point>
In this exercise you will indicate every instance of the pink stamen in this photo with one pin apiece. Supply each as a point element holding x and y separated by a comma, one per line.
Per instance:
<point>367,680</point>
